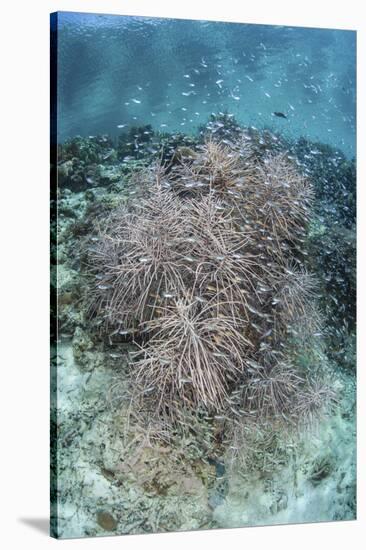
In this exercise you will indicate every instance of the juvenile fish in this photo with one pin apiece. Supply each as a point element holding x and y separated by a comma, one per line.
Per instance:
<point>279,114</point>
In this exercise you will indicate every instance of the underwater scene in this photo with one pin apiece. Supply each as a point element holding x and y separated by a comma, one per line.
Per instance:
<point>203,275</point>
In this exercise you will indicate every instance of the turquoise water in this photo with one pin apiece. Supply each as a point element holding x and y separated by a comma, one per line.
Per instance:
<point>116,72</point>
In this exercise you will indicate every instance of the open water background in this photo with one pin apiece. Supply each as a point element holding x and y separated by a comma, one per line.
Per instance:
<point>120,71</point>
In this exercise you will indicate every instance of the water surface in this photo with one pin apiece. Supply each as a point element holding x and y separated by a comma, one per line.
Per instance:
<point>117,71</point>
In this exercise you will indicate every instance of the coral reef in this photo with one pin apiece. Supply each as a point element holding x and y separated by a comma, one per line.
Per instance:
<point>205,274</point>
<point>198,330</point>
<point>332,243</point>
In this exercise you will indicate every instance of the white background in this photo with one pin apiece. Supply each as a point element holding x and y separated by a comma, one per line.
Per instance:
<point>24,258</point>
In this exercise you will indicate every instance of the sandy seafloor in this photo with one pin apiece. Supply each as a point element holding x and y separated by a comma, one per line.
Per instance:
<point>110,483</point>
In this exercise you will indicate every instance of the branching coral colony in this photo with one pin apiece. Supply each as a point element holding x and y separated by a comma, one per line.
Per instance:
<point>205,274</point>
